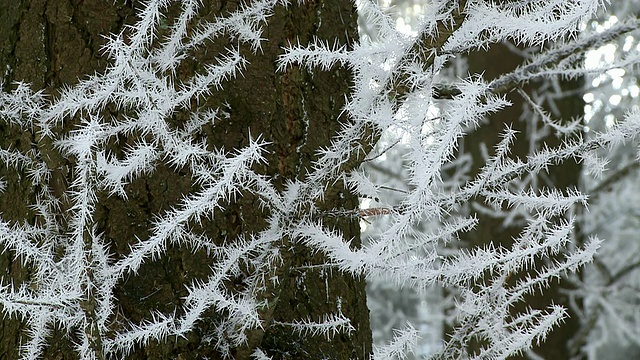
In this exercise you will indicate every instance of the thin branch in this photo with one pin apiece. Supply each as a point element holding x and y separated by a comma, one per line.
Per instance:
<point>612,179</point>
<point>514,79</point>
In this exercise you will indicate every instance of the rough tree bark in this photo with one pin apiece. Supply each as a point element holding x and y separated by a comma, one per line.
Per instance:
<point>49,43</point>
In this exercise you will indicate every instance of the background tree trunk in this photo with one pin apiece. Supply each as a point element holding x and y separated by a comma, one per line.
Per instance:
<point>498,60</point>
<point>55,42</point>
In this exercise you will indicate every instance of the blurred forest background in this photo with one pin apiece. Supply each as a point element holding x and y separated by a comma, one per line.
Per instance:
<point>605,297</point>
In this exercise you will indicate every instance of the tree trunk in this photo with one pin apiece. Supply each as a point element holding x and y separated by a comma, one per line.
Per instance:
<point>496,61</point>
<point>51,43</point>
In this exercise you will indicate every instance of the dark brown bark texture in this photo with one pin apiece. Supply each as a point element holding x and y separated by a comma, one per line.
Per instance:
<point>498,60</point>
<point>50,43</point>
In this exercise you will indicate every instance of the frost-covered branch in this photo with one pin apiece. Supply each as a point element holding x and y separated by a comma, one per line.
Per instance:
<point>119,126</point>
